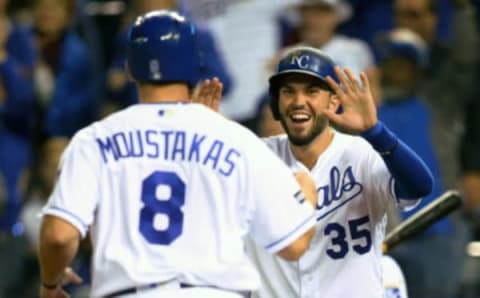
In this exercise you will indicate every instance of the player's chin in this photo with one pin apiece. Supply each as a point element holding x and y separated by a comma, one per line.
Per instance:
<point>297,129</point>
<point>299,136</point>
<point>300,140</point>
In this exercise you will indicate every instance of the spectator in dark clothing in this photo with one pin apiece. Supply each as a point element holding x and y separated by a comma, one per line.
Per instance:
<point>64,83</point>
<point>450,81</point>
<point>450,89</point>
<point>17,58</point>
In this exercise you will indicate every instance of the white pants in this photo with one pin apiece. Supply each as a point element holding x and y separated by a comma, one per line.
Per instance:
<point>197,292</point>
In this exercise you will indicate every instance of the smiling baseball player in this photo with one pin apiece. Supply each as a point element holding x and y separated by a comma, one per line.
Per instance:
<point>355,174</point>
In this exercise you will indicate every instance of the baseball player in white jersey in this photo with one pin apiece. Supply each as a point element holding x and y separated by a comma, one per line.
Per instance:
<point>168,189</point>
<point>355,177</point>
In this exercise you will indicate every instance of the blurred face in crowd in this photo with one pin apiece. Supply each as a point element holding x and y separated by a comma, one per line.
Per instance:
<point>302,98</point>
<point>418,16</point>
<point>52,17</point>
<point>399,77</point>
<point>318,24</point>
<point>3,7</point>
<point>144,6</point>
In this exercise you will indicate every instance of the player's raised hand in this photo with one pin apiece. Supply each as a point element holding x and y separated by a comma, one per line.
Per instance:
<point>359,110</point>
<point>308,187</point>
<point>209,93</point>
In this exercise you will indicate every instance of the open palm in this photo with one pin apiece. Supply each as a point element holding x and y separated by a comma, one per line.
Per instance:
<point>359,110</point>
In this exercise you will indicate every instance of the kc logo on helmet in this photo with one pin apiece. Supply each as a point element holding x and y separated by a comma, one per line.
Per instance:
<point>300,61</point>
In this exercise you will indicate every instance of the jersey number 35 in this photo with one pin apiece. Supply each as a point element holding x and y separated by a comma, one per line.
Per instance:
<point>340,246</point>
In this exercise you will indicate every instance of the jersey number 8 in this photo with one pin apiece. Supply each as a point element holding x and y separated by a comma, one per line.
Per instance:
<point>168,206</point>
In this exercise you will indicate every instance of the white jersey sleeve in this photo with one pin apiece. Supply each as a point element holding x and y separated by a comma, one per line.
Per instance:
<point>281,213</point>
<point>74,197</point>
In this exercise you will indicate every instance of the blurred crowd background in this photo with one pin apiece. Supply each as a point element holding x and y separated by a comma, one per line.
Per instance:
<point>62,67</point>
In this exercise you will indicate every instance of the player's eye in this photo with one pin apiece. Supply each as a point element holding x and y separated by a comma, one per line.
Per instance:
<point>286,91</point>
<point>313,90</point>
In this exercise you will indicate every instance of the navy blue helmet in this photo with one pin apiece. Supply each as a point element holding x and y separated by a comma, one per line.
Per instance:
<point>161,48</point>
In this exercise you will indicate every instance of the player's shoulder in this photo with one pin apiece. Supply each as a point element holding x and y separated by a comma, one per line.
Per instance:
<point>95,128</point>
<point>85,134</point>
<point>118,119</point>
<point>218,126</point>
<point>347,140</point>
<point>350,143</point>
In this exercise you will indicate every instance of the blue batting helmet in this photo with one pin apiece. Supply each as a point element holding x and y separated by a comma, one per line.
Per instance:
<point>161,48</point>
<point>303,60</point>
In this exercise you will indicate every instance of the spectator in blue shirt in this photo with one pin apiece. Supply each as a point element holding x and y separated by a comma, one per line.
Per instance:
<point>430,263</point>
<point>63,76</point>
<point>17,58</point>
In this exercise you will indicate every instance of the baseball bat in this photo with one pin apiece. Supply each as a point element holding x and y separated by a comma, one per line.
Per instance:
<point>428,215</point>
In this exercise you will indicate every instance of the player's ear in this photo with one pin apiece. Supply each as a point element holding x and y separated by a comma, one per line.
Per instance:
<point>128,72</point>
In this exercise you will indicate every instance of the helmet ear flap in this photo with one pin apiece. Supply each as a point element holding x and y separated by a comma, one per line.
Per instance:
<point>273,92</point>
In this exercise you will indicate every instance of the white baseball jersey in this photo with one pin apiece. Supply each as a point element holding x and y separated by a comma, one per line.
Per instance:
<point>344,258</point>
<point>169,191</point>
<point>393,279</point>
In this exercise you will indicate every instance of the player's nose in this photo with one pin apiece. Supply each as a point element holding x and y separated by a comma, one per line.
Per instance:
<point>299,100</point>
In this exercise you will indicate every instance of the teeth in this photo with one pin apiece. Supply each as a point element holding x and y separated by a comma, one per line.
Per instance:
<point>300,117</point>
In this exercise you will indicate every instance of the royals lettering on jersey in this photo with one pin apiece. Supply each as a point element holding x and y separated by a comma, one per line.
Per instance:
<point>169,145</point>
<point>342,188</point>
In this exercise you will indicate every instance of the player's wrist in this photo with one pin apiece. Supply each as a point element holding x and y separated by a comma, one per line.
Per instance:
<point>50,286</point>
<point>381,138</point>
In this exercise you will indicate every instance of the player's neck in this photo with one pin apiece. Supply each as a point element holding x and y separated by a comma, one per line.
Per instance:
<point>309,154</point>
<point>149,93</point>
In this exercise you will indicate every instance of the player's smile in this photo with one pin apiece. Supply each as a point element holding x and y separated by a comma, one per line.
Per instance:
<point>299,119</point>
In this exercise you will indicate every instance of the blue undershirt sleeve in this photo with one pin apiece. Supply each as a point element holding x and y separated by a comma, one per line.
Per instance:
<point>413,179</point>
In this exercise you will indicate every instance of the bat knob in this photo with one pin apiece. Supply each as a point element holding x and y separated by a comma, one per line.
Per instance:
<point>384,248</point>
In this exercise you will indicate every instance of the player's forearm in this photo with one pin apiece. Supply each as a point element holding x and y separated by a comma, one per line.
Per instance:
<point>58,246</point>
<point>54,258</point>
<point>295,250</point>
<point>412,177</point>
